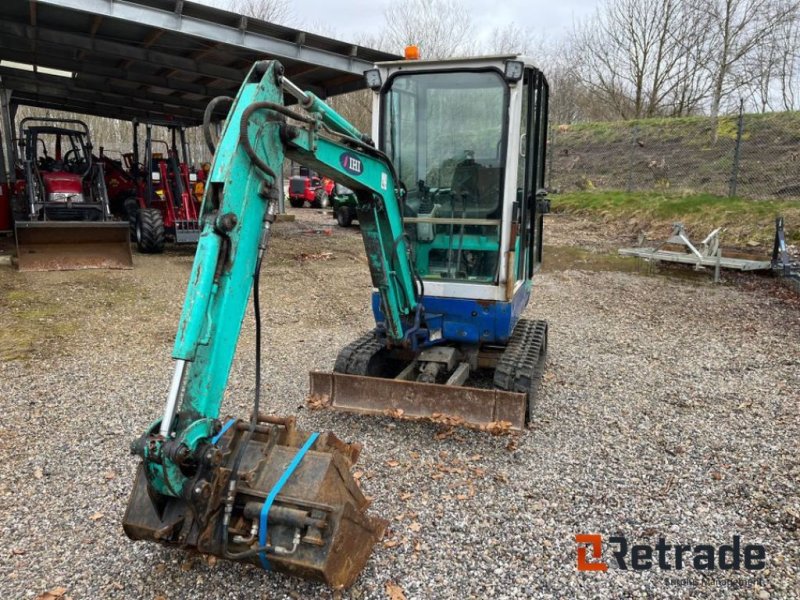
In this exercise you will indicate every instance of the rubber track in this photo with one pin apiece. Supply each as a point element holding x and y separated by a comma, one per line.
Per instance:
<point>354,358</point>
<point>519,368</point>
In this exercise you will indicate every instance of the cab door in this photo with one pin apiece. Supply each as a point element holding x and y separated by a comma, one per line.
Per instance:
<point>533,152</point>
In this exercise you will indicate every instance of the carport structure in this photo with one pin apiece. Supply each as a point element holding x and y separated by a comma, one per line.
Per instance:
<point>151,60</point>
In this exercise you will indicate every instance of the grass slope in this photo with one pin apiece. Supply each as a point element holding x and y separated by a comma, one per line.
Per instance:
<point>744,220</point>
<point>692,154</point>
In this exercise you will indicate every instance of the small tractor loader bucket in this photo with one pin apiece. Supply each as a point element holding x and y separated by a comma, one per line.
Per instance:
<point>491,410</point>
<point>72,245</point>
<point>294,496</point>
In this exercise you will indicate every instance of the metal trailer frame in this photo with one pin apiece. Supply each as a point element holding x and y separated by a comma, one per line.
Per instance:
<point>705,254</point>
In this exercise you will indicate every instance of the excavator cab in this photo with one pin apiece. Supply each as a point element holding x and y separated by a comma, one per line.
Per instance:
<point>467,138</point>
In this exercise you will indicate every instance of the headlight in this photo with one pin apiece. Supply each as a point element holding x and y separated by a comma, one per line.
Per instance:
<point>373,77</point>
<point>63,197</point>
<point>514,70</point>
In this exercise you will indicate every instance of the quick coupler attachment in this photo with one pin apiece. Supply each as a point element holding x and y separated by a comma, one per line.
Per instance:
<point>294,507</point>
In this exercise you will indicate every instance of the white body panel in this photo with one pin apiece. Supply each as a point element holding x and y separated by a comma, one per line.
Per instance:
<point>451,289</point>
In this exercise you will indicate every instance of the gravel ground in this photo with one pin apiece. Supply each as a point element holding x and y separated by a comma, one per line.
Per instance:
<point>669,408</point>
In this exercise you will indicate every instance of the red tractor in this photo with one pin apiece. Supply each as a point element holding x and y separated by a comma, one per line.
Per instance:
<point>310,188</point>
<point>160,196</point>
<point>62,217</point>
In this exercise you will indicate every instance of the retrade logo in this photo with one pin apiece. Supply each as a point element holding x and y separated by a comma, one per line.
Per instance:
<point>351,164</point>
<point>594,540</point>
<point>643,557</point>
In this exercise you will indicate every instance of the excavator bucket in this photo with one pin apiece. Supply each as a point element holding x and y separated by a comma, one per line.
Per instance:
<point>72,245</point>
<point>491,410</point>
<point>295,496</point>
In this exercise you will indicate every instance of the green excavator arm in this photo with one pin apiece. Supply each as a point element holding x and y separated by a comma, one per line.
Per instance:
<point>263,491</point>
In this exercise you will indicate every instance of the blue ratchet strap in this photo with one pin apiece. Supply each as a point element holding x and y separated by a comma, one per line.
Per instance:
<point>262,526</point>
<point>222,431</point>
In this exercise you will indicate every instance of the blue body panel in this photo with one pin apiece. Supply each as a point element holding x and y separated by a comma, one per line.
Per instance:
<point>466,321</point>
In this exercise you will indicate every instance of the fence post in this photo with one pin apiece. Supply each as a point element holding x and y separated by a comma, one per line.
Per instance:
<point>551,147</point>
<point>634,135</point>
<point>737,147</point>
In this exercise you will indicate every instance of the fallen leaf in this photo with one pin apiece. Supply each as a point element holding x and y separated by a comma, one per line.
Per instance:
<point>497,427</point>
<point>187,565</point>
<point>406,496</point>
<point>17,551</point>
<point>358,475</point>
<point>390,543</point>
<point>96,516</point>
<point>394,591</point>
<point>160,597</point>
<point>415,527</point>
<point>57,593</point>
<point>160,568</point>
<point>109,475</point>
<point>392,463</point>
<point>37,473</point>
<point>318,401</point>
<point>304,256</point>
<point>418,546</point>
<point>400,517</point>
<point>211,560</point>
<point>443,433</point>
<point>716,475</point>
<point>512,444</point>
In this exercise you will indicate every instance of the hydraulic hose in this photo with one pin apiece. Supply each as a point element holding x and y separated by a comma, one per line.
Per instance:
<point>244,138</point>
<point>207,114</point>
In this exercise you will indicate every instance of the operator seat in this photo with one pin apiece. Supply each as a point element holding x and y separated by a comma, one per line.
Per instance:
<point>482,185</point>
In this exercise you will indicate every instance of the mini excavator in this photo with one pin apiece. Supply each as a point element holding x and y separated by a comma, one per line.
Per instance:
<point>450,205</point>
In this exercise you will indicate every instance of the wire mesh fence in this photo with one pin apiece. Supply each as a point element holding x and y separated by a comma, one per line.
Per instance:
<point>744,155</point>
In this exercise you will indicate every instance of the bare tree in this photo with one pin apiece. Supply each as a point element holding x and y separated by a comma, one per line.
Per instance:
<point>512,39</point>
<point>693,86</point>
<point>738,29</point>
<point>441,28</point>
<point>789,63</point>
<point>274,11</point>
<point>634,54</point>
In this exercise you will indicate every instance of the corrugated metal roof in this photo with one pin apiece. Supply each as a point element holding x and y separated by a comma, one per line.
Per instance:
<point>157,59</point>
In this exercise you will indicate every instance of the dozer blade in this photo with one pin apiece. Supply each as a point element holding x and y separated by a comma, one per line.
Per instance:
<point>491,410</point>
<point>317,526</point>
<point>72,245</point>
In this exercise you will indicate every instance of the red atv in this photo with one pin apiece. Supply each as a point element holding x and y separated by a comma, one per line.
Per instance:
<point>314,190</point>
